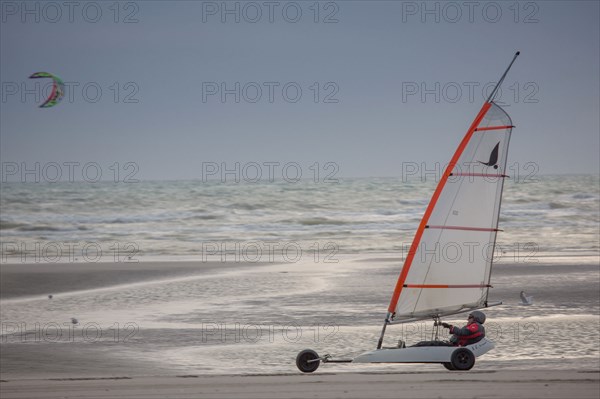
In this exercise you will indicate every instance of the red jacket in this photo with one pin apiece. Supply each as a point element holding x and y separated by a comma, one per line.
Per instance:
<point>469,334</point>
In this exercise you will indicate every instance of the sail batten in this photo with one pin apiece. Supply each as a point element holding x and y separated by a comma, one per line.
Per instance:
<point>447,286</point>
<point>481,129</point>
<point>479,175</point>
<point>466,228</point>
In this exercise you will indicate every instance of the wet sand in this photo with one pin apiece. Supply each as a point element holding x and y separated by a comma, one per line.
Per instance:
<point>77,370</point>
<point>17,280</point>
<point>501,384</point>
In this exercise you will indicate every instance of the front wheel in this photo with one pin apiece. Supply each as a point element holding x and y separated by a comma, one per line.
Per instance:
<point>462,359</point>
<point>307,361</point>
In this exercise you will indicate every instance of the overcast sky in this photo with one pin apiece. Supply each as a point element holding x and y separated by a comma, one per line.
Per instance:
<point>367,85</point>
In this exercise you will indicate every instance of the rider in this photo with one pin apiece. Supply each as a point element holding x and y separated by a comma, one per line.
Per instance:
<point>471,333</point>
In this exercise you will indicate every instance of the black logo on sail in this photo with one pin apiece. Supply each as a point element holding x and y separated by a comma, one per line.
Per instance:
<point>493,157</point>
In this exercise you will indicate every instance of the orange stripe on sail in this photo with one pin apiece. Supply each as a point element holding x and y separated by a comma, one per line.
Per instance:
<point>438,191</point>
<point>479,129</point>
<point>478,175</point>
<point>466,228</point>
<point>446,286</point>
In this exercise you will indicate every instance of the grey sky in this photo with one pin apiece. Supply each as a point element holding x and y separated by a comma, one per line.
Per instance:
<point>372,60</point>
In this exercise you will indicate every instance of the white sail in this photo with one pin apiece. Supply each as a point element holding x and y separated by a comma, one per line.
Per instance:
<point>450,268</point>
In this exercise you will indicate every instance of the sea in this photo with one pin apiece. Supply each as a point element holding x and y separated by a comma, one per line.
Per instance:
<point>314,264</point>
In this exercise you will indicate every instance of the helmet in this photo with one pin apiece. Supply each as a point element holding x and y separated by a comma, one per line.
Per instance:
<point>478,316</point>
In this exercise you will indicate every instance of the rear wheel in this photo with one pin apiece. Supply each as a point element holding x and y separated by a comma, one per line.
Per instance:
<point>307,361</point>
<point>462,359</point>
<point>449,366</point>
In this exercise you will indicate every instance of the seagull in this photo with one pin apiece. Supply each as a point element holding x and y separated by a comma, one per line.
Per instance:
<point>525,300</point>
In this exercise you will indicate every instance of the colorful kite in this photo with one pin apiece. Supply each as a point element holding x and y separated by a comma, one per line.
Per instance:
<point>58,89</point>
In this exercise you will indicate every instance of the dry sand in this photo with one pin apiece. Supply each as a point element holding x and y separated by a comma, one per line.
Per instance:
<point>474,384</point>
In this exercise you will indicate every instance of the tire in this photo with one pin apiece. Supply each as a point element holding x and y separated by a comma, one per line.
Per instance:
<point>303,358</point>
<point>462,359</point>
<point>449,366</point>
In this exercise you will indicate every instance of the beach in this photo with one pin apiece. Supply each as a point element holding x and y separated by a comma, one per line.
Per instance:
<point>31,279</point>
<point>513,384</point>
<point>184,329</point>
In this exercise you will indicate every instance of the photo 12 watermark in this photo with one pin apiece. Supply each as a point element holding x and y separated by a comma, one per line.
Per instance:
<point>272,12</point>
<point>270,92</point>
<point>516,172</point>
<point>270,172</point>
<point>470,252</point>
<point>67,331</point>
<point>507,333</point>
<point>269,251</point>
<point>54,12</point>
<point>90,92</point>
<point>235,333</point>
<point>470,92</point>
<point>68,171</point>
<point>471,12</point>
<point>68,252</point>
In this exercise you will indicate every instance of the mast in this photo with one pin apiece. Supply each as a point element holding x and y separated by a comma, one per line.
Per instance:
<point>432,204</point>
<point>495,91</point>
